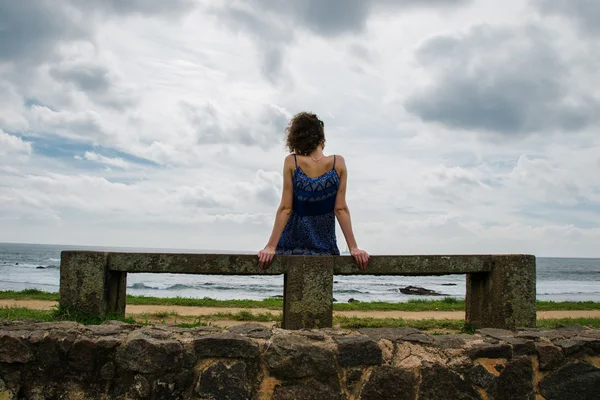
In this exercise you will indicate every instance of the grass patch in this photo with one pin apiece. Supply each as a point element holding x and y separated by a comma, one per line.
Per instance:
<point>164,314</point>
<point>274,304</point>
<point>15,313</point>
<point>194,324</point>
<point>58,314</point>
<point>567,305</point>
<point>553,323</point>
<point>246,316</point>
<point>64,314</point>
<point>28,294</point>
<point>445,304</point>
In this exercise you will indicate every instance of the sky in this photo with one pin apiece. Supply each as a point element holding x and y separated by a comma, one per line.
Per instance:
<point>467,126</point>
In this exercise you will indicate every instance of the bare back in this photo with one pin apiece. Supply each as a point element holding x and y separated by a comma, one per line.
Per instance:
<point>315,169</point>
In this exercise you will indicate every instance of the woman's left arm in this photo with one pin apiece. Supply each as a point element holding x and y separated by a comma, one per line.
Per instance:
<point>265,256</point>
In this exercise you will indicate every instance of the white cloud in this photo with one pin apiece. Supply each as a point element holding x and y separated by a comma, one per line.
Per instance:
<point>13,144</point>
<point>112,161</point>
<point>466,128</point>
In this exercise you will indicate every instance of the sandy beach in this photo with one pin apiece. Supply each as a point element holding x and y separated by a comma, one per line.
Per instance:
<point>200,311</point>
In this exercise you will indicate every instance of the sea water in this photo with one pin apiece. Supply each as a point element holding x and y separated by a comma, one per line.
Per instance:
<point>24,266</point>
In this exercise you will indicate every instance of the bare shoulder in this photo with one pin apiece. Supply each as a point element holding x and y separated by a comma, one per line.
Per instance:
<point>289,159</point>
<point>340,161</point>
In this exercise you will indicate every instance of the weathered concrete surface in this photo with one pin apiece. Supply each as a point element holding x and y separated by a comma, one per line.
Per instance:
<point>83,281</point>
<point>87,285</point>
<point>65,360</point>
<point>500,289</point>
<point>207,264</point>
<point>505,296</point>
<point>415,265</point>
<point>308,293</point>
<point>246,264</point>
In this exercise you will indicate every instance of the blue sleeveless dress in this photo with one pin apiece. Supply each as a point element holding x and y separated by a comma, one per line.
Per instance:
<point>311,227</point>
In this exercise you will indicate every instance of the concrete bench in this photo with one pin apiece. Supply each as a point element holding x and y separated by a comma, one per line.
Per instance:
<point>500,288</point>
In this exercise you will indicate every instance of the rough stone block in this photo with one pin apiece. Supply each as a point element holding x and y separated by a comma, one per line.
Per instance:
<point>480,376</point>
<point>226,345</point>
<point>388,382</point>
<point>14,350</point>
<point>515,381</point>
<point>357,350</point>
<point>311,390</point>
<point>549,356</point>
<point>490,351</point>
<point>578,381</point>
<point>439,382</point>
<point>293,357</point>
<point>226,382</point>
<point>148,355</point>
<point>393,334</point>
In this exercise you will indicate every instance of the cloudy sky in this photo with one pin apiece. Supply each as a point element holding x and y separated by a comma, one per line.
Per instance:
<point>467,127</point>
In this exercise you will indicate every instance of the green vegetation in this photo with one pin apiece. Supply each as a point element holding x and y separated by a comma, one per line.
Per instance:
<point>445,304</point>
<point>553,323</point>
<point>246,316</point>
<point>58,314</point>
<point>195,323</point>
<point>28,294</point>
<point>273,304</point>
<point>16,313</point>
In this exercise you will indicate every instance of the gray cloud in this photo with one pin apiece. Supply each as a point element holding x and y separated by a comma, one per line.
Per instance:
<point>86,76</point>
<point>31,29</point>
<point>140,7</point>
<point>584,13</point>
<point>213,126</point>
<point>32,32</point>
<point>272,23</point>
<point>335,17</point>
<point>510,81</point>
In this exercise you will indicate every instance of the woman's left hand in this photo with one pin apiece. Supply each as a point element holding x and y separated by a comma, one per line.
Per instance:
<point>265,256</point>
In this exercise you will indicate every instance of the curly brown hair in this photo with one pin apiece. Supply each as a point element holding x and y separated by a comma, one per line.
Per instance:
<point>304,133</point>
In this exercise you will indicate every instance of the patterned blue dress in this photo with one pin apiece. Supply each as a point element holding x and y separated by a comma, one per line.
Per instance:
<point>311,227</point>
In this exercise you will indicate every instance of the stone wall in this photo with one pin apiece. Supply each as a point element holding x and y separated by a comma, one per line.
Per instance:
<point>115,360</point>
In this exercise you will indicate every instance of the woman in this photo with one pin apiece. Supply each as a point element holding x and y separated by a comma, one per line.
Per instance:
<point>314,194</point>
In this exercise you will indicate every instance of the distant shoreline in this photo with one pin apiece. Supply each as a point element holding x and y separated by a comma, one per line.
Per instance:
<point>241,252</point>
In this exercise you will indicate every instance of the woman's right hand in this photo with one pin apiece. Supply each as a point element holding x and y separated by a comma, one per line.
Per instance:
<point>265,256</point>
<point>361,257</point>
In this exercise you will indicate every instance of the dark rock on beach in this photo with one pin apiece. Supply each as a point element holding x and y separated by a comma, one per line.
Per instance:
<point>416,290</point>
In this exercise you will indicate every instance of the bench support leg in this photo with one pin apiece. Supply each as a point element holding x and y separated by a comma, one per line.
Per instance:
<point>505,297</point>
<point>87,286</point>
<point>308,293</point>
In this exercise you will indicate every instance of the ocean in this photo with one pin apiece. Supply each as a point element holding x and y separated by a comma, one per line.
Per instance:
<point>24,266</point>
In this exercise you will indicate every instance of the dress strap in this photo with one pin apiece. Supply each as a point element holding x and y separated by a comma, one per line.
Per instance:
<point>333,162</point>
<point>296,160</point>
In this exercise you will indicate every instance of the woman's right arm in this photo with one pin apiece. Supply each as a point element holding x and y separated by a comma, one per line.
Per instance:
<point>342,212</point>
<point>265,256</point>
